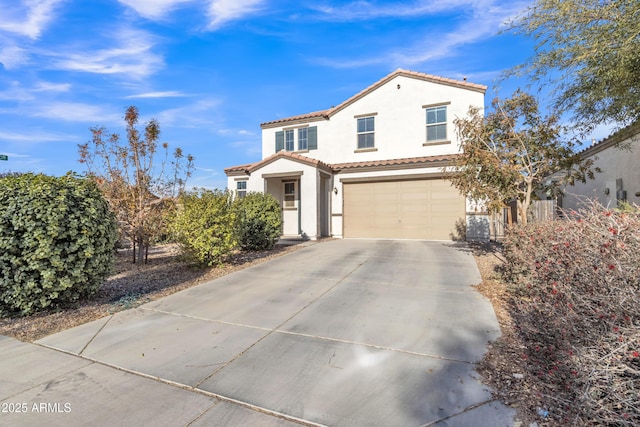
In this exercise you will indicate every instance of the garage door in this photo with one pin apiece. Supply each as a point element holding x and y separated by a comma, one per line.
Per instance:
<point>414,209</point>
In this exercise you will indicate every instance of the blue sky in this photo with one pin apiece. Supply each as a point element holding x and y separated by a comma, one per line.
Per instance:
<point>211,71</point>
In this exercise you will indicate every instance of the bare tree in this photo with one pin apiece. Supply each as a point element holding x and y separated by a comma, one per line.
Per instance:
<point>137,187</point>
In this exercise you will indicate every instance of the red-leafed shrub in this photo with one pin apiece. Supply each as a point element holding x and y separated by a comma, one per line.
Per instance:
<point>575,298</point>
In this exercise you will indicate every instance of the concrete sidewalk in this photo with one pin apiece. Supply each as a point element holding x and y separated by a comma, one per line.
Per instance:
<point>344,333</point>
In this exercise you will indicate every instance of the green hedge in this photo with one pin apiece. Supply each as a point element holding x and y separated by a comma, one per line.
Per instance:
<point>258,221</point>
<point>57,238</point>
<point>203,225</point>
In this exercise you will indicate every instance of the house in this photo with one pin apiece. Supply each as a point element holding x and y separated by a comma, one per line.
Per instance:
<point>370,167</point>
<point>618,157</point>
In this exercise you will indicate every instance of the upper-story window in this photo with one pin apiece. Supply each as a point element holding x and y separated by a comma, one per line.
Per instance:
<point>437,123</point>
<point>288,140</point>
<point>305,138</point>
<point>241,189</point>
<point>366,132</point>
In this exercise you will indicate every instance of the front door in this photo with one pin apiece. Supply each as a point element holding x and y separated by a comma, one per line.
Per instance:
<point>290,208</point>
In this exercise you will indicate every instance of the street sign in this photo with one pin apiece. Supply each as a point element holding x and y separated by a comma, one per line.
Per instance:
<point>4,157</point>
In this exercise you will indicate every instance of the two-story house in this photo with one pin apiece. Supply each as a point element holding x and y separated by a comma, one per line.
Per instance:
<point>369,167</point>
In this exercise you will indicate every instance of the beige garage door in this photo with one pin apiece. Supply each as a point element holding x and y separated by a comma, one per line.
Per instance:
<point>415,209</point>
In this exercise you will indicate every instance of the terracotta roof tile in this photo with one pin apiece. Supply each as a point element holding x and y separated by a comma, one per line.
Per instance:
<point>337,167</point>
<point>324,114</point>
<point>394,162</point>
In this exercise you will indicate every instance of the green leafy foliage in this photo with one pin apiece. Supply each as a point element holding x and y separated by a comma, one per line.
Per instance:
<point>203,225</point>
<point>510,153</point>
<point>57,239</point>
<point>575,298</point>
<point>258,221</point>
<point>589,50</point>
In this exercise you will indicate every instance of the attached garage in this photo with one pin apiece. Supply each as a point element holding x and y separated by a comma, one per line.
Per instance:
<point>403,209</point>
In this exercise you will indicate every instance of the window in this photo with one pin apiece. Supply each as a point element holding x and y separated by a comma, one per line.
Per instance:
<point>303,139</point>
<point>289,194</point>
<point>366,132</point>
<point>307,137</point>
<point>241,189</point>
<point>288,140</point>
<point>437,123</point>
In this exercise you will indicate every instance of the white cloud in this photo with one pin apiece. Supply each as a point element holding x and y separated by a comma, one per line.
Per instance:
<point>193,115</point>
<point>223,11</point>
<point>74,112</point>
<point>13,57</point>
<point>27,17</point>
<point>485,18</point>
<point>51,87</point>
<point>131,55</point>
<point>32,137</point>
<point>366,10</point>
<point>165,94</point>
<point>154,9</point>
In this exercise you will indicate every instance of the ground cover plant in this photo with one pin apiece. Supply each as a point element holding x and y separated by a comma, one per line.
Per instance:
<point>573,293</point>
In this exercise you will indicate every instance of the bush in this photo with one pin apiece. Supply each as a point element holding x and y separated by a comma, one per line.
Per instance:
<point>575,287</point>
<point>258,221</point>
<point>203,225</point>
<point>57,238</point>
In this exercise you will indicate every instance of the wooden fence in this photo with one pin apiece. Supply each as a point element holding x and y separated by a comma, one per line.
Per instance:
<point>541,210</point>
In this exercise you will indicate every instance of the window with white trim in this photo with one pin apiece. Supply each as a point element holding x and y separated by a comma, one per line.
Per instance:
<point>306,138</point>
<point>288,140</point>
<point>289,195</point>
<point>437,123</point>
<point>241,189</point>
<point>366,132</point>
<point>303,139</point>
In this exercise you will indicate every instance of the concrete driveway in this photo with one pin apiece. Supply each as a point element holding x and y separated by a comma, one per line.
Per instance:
<point>342,333</point>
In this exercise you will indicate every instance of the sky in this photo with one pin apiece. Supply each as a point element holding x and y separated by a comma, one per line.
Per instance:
<point>210,71</point>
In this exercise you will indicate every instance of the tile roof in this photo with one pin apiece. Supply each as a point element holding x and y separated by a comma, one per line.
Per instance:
<point>340,167</point>
<point>613,139</point>
<point>326,114</point>
<point>251,167</point>
<point>410,161</point>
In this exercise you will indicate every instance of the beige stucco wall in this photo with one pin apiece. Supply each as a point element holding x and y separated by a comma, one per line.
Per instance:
<point>615,163</point>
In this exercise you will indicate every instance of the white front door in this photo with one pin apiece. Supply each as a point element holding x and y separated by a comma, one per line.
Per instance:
<point>290,208</point>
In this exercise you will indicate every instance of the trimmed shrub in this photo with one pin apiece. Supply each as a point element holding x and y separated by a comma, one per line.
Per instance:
<point>575,298</point>
<point>258,221</point>
<point>57,239</point>
<point>203,225</point>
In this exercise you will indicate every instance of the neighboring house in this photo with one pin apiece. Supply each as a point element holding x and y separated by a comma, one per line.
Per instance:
<point>618,157</point>
<point>371,166</point>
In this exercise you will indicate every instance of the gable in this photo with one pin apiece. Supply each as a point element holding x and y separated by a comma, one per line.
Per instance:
<point>327,114</point>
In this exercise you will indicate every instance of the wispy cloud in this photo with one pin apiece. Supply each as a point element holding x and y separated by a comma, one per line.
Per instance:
<point>27,17</point>
<point>165,94</point>
<point>367,10</point>
<point>223,11</point>
<point>17,92</point>
<point>13,57</point>
<point>193,115</point>
<point>33,137</point>
<point>131,55</point>
<point>484,20</point>
<point>154,9</point>
<point>74,112</point>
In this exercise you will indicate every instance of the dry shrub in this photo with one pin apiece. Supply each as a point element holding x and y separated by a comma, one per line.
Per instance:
<point>574,294</point>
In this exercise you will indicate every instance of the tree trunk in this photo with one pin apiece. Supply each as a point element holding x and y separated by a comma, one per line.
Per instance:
<point>140,250</point>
